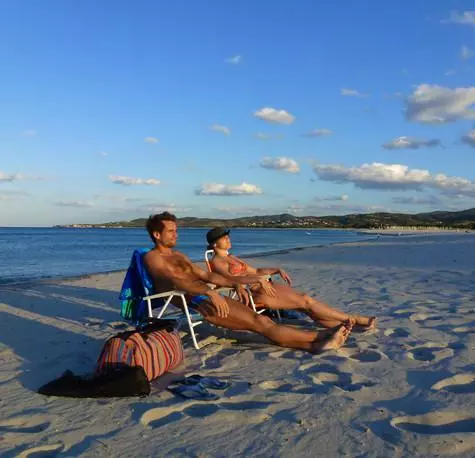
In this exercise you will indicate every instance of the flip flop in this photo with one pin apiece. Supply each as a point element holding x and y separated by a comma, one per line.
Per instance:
<point>206,382</point>
<point>194,392</point>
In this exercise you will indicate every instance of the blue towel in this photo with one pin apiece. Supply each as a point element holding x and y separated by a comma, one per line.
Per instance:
<point>136,285</point>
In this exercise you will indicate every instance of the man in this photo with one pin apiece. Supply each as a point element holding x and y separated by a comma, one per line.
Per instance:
<point>170,269</point>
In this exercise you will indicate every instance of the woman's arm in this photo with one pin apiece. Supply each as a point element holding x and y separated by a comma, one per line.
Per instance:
<point>221,267</point>
<point>270,271</point>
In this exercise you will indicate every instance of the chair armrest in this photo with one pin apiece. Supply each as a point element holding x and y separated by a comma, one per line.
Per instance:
<point>166,294</point>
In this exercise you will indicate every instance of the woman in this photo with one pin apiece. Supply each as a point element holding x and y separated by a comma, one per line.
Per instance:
<point>273,295</point>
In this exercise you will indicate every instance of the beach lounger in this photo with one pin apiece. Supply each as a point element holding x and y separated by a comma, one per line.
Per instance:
<point>209,253</point>
<point>138,298</point>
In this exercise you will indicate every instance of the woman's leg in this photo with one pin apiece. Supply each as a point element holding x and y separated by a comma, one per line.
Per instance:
<point>243,318</point>
<point>288,298</point>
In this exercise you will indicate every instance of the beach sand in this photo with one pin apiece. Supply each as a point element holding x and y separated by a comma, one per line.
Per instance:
<point>407,389</point>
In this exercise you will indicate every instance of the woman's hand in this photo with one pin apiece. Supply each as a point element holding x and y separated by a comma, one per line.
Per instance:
<point>285,276</point>
<point>267,286</point>
<point>242,294</point>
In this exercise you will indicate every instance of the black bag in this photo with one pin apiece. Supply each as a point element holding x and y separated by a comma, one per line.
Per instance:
<point>124,381</point>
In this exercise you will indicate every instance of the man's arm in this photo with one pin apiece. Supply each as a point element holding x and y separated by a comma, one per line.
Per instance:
<point>158,267</point>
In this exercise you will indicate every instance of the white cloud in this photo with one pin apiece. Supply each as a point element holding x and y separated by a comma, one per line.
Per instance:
<point>129,181</point>
<point>152,140</point>
<point>352,93</point>
<point>159,208</point>
<point>411,143</point>
<point>235,60</point>
<point>324,209</point>
<point>466,53</point>
<point>463,18</point>
<point>427,200</point>
<point>74,203</point>
<point>103,153</point>
<point>117,198</point>
<point>10,178</point>
<point>434,104</point>
<point>450,72</point>
<point>241,210</point>
<point>12,195</point>
<point>263,136</point>
<point>217,189</point>
<point>392,177</point>
<point>280,163</point>
<point>331,198</point>
<point>318,133</point>
<point>274,116</point>
<point>469,139</point>
<point>29,133</point>
<point>219,128</point>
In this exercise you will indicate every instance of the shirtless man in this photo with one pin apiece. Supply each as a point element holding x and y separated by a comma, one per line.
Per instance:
<point>171,269</point>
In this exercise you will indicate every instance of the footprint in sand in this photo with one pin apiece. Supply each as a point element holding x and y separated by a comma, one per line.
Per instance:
<point>397,332</point>
<point>329,376</point>
<point>118,325</point>
<point>42,450</point>
<point>460,383</point>
<point>93,321</point>
<point>367,356</point>
<point>430,352</point>
<point>436,423</point>
<point>426,318</point>
<point>161,416</point>
<point>463,330</point>
<point>24,424</point>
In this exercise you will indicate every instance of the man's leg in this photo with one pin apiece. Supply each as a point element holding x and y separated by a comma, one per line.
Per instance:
<point>242,318</point>
<point>288,298</point>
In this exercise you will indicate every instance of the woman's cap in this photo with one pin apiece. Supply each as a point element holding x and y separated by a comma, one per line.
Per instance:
<point>215,234</point>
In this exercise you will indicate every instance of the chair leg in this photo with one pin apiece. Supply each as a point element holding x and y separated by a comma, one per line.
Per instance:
<point>162,311</point>
<point>190,323</point>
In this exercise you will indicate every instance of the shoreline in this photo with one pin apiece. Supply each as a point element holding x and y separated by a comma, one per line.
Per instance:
<point>262,254</point>
<point>45,279</point>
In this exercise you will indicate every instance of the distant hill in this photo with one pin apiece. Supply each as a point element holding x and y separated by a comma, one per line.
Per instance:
<point>462,219</point>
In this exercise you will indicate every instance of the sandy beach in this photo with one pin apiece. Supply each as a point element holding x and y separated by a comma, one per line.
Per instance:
<point>406,389</point>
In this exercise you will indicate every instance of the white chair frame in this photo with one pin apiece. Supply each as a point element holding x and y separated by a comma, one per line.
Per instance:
<point>170,295</point>
<point>208,253</point>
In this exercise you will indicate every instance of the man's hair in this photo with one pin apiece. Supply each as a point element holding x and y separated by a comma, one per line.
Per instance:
<point>155,223</point>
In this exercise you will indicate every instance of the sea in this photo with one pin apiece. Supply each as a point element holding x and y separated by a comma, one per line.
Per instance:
<point>28,254</point>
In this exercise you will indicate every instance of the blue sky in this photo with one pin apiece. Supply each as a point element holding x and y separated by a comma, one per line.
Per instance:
<point>113,110</point>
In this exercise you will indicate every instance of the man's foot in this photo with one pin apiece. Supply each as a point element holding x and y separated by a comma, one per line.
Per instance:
<point>335,341</point>
<point>327,333</point>
<point>364,323</point>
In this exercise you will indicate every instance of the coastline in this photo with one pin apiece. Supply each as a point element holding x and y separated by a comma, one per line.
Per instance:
<point>48,279</point>
<point>263,254</point>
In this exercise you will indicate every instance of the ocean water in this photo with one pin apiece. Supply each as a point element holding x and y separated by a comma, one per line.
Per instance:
<point>39,253</point>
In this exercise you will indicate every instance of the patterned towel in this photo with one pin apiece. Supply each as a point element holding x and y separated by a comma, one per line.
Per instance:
<point>136,285</point>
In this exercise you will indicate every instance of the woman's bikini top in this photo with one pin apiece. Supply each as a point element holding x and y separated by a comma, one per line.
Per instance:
<point>236,266</point>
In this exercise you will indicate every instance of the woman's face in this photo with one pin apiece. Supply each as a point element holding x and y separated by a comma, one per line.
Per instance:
<point>223,243</point>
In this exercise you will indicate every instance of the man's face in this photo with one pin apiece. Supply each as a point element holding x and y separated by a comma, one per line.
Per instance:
<point>168,236</point>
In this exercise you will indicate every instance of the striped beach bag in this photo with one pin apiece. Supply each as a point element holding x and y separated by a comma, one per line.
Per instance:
<point>157,351</point>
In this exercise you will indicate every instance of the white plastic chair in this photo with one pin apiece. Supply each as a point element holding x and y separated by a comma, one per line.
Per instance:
<point>169,295</point>
<point>208,253</point>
